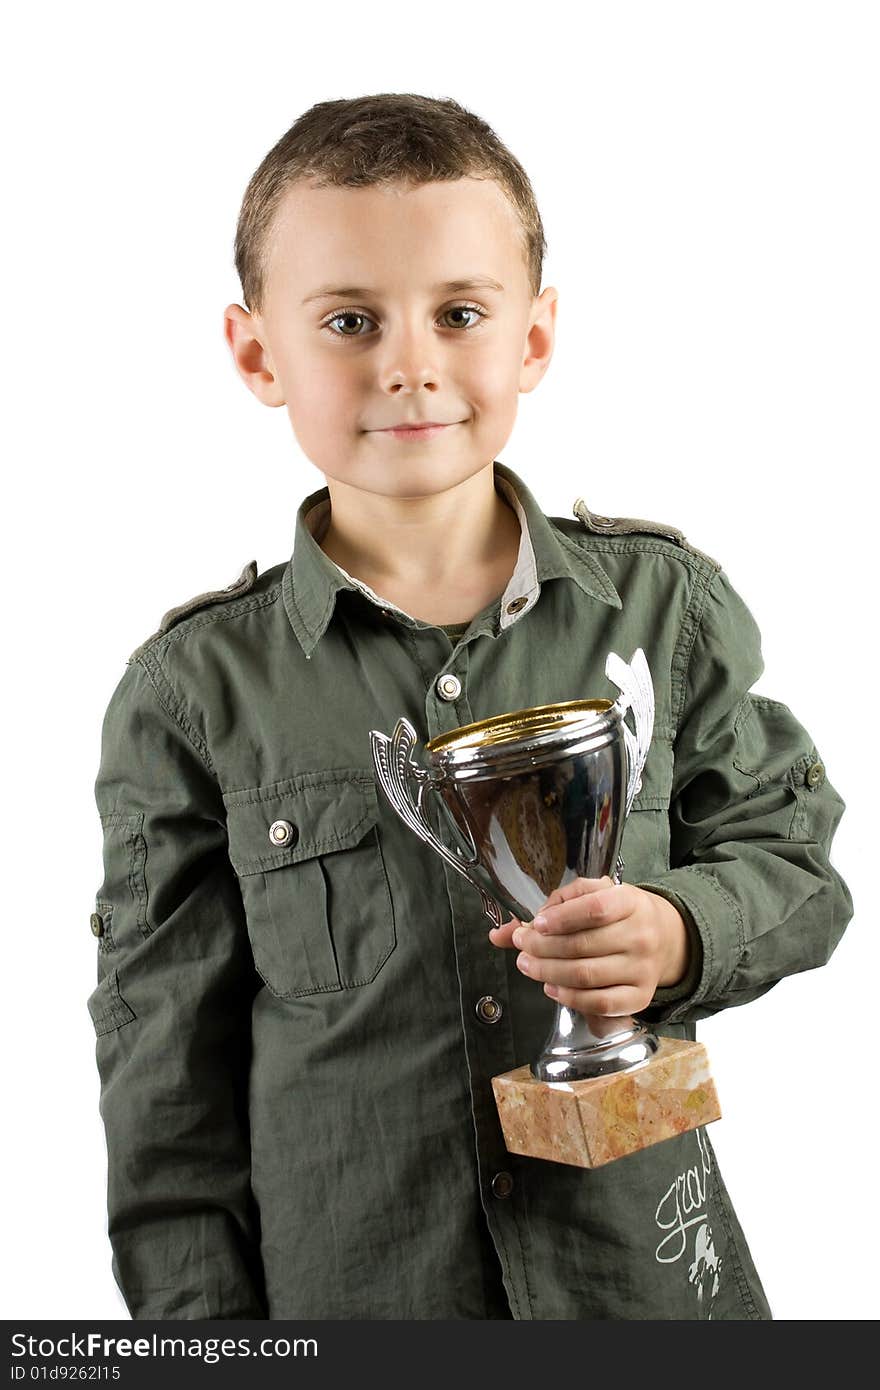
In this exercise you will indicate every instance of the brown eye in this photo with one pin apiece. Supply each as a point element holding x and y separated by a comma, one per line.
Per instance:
<point>464,309</point>
<point>348,317</point>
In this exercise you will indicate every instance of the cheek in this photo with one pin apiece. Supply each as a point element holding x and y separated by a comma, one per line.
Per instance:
<point>493,375</point>
<point>495,405</point>
<point>322,399</point>
<point>316,379</point>
<point>493,385</point>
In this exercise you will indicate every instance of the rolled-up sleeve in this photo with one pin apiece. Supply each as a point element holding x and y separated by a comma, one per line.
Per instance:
<point>172,1019</point>
<point>752,817</point>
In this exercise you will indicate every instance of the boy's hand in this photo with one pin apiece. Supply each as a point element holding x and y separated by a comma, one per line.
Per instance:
<point>605,947</point>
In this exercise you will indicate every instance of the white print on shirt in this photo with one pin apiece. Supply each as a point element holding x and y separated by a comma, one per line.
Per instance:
<point>681,1208</point>
<point>706,1266</point>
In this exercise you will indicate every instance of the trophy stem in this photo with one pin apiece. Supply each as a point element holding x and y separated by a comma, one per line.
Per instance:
<point>581,1047</point>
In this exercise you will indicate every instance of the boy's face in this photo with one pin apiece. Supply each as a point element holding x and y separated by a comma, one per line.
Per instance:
<point>359,331</point>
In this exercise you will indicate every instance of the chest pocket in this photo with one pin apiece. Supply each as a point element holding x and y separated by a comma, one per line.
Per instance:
<point>313,880</point>
<point>645,847</point>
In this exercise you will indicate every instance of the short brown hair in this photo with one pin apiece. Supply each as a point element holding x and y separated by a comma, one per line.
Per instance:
<point>389,137</point>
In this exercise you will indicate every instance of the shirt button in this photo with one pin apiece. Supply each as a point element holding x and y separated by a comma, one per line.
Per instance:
<point>502,1184</point>
<point>517,604</point>
<point>448,687</point>
<point>815,775</point>
<point>281,832</point>
<point>96,922</point>
<point>488,1010</point>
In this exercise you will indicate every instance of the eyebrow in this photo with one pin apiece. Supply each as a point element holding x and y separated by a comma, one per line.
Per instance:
<point>471,282</point>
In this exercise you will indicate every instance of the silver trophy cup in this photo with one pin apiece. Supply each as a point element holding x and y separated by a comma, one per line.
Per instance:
<point>533,800</point>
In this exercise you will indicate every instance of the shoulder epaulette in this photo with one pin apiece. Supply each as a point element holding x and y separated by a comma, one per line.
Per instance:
<point>241,585</point>
<point>630,525</point>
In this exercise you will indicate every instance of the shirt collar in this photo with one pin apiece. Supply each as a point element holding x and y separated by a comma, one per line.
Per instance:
<point>312,580</point>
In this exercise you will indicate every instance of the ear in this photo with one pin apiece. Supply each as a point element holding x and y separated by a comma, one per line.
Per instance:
<point>246,335</point>
<point>540,339</point>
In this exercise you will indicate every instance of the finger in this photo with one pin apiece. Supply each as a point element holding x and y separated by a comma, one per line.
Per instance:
<point>600,973</point>
<point>597,908</point>
<point>577,888</point>
<point>503,935</point>
<point>574,945</point>
<point>610,1003</point>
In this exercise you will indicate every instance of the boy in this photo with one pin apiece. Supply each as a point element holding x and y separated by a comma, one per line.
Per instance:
<point>299,1012</point>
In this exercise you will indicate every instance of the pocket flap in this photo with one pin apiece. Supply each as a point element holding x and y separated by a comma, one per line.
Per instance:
<point>107,1007</point>
<point>326,811</point>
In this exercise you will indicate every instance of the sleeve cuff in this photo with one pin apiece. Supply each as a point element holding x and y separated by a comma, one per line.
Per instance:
<point>715,930</point>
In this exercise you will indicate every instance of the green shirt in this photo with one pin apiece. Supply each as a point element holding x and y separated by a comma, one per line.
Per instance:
<point>295,1080</point>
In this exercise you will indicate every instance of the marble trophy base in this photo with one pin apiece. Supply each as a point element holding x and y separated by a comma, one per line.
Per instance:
<point>588,1123</point>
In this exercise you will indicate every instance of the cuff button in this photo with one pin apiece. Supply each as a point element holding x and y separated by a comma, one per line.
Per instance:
<point>815,775</point>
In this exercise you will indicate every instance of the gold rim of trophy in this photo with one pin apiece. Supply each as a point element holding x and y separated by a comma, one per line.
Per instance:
<point>520,723</point>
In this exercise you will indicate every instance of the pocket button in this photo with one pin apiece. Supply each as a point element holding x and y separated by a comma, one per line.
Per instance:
<point>282,833</point>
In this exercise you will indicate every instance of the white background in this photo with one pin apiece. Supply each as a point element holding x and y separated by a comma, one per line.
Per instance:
<point>707,176</point>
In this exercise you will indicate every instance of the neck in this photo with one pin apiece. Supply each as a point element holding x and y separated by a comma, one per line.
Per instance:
<point>441,557</point>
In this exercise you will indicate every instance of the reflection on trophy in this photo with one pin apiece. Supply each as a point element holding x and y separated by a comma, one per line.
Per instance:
<point>533,800</point>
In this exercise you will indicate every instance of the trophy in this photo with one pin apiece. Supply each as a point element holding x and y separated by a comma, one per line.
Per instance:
<point>533,800</point>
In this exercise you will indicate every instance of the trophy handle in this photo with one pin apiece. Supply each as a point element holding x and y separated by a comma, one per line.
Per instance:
<point>395,768</point>
<point>637,692</point>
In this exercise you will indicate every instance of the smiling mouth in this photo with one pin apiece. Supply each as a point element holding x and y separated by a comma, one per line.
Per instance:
<point>417,431</point>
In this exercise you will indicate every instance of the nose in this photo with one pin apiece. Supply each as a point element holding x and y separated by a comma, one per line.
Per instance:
<point>410,359</point>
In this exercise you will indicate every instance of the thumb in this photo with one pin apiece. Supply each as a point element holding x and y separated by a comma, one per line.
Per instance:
<point>503,935</point>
